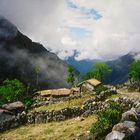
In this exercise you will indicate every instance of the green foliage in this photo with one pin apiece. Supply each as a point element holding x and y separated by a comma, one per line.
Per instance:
<point>99,89</point>
<point>107,118</point>
<point>99,71</point>
<point>89,75</point>
<point>28,101</point>
<point>134,72</point>
<point>37,71</point>
<point>11,90</point>
<point>14,90</point>
<point>71,78</point>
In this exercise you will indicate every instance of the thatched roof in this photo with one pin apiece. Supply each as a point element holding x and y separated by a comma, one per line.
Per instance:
<point>55,92</point>
<point>75,89</point>
<point>93,82</point>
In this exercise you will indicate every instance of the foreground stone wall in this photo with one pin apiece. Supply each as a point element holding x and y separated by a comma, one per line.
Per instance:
<point>129,126</point>
<point>89,107</point>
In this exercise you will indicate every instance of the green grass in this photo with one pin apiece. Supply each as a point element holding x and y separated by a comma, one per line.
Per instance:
<point>113,96</point>
<point>66,130</point>
<point>64,104</point>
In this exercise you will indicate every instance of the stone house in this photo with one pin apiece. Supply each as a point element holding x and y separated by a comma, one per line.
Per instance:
<point>89,85</point>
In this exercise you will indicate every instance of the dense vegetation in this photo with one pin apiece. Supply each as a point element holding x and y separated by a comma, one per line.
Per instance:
<point>99,71</point>
<point>73,76</point>
<point>107,118</point>
<point>134,73</point>
<point>14,90</point>
<point>100,88</point>
<point>70,78</point>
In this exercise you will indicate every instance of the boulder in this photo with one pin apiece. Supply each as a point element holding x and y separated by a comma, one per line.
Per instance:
<point>115,135</point>
<point>137,110</point>
<point>129,116</point>
<point>4,114</point>
<point>15,107</point>
<point>127,127</point>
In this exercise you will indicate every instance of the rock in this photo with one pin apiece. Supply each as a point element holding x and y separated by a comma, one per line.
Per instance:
<point>137,110</point>
<point>129,116</point>
<point>115,135</point>
<point>87,113</point>
<point>93,103</point>
<point>15,107</point>
<point>127,127</point>
<point>138,105</point>
<point>119,127</point>
<point>4,115</point>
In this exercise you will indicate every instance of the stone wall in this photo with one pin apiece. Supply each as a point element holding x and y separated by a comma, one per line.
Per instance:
<point>40,101</point>
<point>129,126</point>
<point>89,107</point>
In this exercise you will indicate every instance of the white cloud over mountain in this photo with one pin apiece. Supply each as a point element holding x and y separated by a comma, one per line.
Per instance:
<point>95,29</point>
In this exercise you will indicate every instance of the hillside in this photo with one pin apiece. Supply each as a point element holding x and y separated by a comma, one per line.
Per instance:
<point>28,61</point>
<point>119,67</point>
<point>72,119</point>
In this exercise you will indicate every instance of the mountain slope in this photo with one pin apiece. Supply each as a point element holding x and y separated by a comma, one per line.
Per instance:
<point>28,61</point>
<point>119,67</point>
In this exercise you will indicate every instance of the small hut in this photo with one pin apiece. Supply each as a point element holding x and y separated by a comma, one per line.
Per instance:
<point>89,85</point>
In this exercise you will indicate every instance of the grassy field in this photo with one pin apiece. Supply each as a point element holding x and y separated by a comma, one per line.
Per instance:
<point>63,104</point>
<point>66,130</point>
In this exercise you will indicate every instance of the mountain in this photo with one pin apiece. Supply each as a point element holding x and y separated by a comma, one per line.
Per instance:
<point>28,61</point>
<point>82,66</point>
<point>119,67</point>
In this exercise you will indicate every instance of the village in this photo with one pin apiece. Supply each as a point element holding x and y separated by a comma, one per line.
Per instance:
<point>60,105</point>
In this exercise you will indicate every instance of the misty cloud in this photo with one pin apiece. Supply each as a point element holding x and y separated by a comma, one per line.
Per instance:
<point>95,29</point>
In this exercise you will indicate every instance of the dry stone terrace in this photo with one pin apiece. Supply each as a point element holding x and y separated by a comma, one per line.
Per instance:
<point>88,108</point>
<point>14,120</point>
<point>128,127</point>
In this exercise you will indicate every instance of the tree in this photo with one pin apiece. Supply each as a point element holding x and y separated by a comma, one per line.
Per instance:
<point>71,75</point>
<point>99,71</point>
<point>11,90</point>
<point>134,72</point>
<point>37,71</point>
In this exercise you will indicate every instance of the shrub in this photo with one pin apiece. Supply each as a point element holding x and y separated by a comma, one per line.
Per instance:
<point>28,101</point>
<point>107,118</point>
<point>11,90</point>
<point>99,89</point>
<point>134,74</point>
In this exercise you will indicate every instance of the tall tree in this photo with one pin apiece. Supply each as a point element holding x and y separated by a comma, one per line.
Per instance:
<point>71,75</point>
<point>99,71</point>
<point>134,73</point>
<point>37,71</point>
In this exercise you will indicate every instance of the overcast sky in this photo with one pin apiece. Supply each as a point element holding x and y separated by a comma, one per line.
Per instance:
<point>95,29</point>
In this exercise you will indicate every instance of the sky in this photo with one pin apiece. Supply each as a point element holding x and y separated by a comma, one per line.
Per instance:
<point>87,29</point>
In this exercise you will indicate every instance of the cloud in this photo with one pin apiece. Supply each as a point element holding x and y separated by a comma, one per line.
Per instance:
<point>68,41</point>
<point>96,29</point>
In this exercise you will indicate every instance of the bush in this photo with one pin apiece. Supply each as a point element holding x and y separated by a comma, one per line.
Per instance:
<point>107,118</point>
<point>28,101</point>
<point>11,90</point>
<point>99,89</point>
